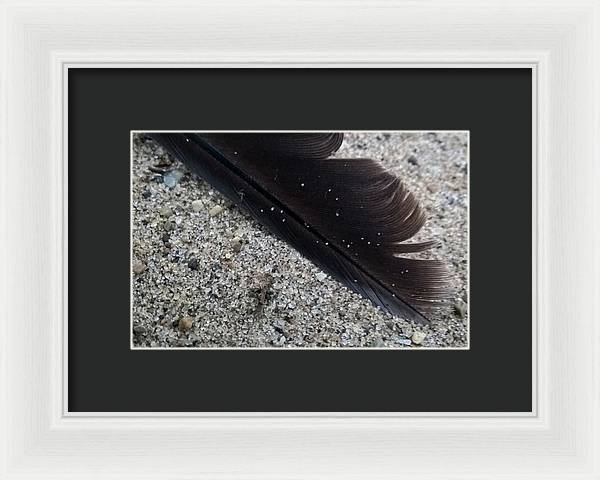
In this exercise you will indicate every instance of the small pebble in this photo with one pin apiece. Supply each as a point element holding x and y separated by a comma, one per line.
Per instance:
<point>169,225</point>
<point>461,308</point>
<point>139,330</point>
<point>418,337</point>
<point>197,205</point>
<point>172,178</point>
<point>193,264</point>
<point>165,212</point>
<point>321,276</point>
<point>155,169</point>
<point>138,267</point>
<point>236,244</point>
<point>215,210</point>
<point>185,324</point>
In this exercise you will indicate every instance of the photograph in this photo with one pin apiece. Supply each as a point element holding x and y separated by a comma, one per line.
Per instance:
<point>299,240</point>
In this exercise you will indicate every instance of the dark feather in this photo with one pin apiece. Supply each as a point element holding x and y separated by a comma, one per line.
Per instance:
<point>348,216</point>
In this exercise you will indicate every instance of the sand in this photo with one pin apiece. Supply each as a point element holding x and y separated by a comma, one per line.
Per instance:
<point>205,274</point>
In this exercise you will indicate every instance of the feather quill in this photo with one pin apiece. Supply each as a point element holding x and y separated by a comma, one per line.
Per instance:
<point>350,217</point>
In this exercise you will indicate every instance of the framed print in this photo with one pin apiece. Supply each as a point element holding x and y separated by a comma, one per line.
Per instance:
<point>368,251</point>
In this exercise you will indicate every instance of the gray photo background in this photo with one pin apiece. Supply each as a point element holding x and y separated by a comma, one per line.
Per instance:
<point>204,274</point>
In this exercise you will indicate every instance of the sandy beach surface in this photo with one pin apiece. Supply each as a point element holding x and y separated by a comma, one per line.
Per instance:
<point>205,274</point>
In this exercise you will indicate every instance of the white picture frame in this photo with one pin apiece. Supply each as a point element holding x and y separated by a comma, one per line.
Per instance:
<point>558,40</point>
